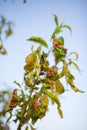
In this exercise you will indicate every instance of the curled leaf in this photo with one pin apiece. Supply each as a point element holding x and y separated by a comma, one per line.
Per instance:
<point>70,79</point>
<point>76,55</point>
<point>67,27</point>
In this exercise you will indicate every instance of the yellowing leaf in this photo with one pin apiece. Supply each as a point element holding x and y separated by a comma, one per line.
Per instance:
<point>59,87</point>
<point>60,112</point>
<point>28,68</point>
<point>74,87</point>
<point>54,97</point>
<point>74,64</point>
<point>70,79</point>
<point>38,40</point>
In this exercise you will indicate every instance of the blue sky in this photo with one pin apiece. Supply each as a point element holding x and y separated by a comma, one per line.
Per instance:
<point>35,18</point>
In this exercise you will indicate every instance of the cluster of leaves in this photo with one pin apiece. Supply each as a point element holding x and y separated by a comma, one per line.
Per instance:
<point>43,81</point>
<point>5,31</point>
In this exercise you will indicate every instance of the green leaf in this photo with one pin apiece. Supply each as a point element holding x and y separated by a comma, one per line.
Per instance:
<point>56,31</point>
<point>67,27</point>
<point>38,40</point>
<point>18,84</point>
<point>61,39</point>
<point>56,19</point>
<point>59,87</point>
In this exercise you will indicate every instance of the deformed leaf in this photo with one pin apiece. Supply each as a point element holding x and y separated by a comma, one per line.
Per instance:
<point>59,87</point>
<point>38,40</point>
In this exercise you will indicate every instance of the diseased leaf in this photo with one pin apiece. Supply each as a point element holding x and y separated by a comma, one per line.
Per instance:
<point>59,87</point>
<point>38,40</point>
<point>56,20</point>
